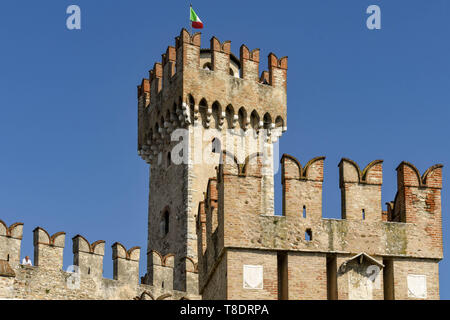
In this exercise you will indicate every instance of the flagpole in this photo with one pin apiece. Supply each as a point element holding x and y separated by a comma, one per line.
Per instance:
<point>190,22</point>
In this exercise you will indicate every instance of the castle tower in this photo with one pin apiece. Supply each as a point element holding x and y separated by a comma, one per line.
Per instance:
<point>196,103</point>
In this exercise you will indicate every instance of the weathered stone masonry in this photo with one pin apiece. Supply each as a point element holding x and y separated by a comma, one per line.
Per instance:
<point>304,256</point>
<point>47,279</point>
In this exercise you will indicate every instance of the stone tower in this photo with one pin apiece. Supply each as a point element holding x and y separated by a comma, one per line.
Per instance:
<point>196,103</point>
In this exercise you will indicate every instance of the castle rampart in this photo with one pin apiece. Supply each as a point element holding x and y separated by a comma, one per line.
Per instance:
<point>312,251</point>
<point>47,279</point>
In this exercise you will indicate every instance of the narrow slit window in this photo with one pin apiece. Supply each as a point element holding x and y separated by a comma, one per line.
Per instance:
<point>216,145</point>
<point>304,211</point>
<point>166,222</point>
<point>363,214</point>
<point>308,235</point>
<point>169,159</point>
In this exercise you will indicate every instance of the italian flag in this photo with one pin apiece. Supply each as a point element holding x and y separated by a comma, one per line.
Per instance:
<point>195,20</point>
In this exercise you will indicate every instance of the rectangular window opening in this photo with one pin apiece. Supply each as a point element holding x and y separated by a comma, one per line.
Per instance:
<point>308,235</point>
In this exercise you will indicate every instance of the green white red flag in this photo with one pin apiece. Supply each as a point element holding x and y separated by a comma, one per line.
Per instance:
<point>196,23</point>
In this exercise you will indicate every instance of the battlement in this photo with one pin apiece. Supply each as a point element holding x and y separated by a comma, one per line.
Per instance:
<point>126,263</point>
<point>48,254</point>
<point>48,250</point>
<point>361,190</point>
<point>210,88</point>
<point>302,187</point>
<point>89,257</point>
<point>414,222</point>
<point>410,229</point>
<point>10,239</point>
<point>48,264</point>
<point>187,54</point>
<point>163,269</point>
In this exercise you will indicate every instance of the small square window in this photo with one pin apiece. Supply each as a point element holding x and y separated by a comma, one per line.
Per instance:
<point>308,235</point>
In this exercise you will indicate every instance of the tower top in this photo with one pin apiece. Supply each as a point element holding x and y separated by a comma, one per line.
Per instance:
<point>210,88</point>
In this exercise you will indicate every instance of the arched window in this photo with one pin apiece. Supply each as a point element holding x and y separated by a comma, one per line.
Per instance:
<point>229,114</point>
<point>216,145</point>
<point>203,108</point>
<point>267,121</point>
<point>254,119</point>
<point>207,66</point>
<point>231,72</point>
<point>242,114</point>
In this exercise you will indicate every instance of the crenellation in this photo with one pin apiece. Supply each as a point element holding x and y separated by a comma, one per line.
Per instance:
<point>47,280</point>
<point>361,190</point>
<point>339,255</point>
<point>162,270</point>
<point>188,50</point>
<point>48,250</point>
<point>418,200</point>
<point>249,63</point>
<point>278,71</point>
<point>155,76</point>
<point>302,187</point>
<point>220,55</point>
<point>89,257</point>
<point>168,67</point>
<point>10,242</point>
<point>191,276</point>
<point>126,263</point>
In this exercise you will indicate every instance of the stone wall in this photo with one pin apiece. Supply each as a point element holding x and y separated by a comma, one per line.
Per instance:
<point>84,280</point>
<point>360,244</point>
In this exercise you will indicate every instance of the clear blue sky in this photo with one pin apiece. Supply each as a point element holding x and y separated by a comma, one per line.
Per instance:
<point>68,101</point>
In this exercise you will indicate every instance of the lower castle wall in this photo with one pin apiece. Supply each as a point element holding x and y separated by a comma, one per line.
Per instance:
<point>356,278</point>
<point>409,266</point>
<point>235,265</point>
<point>356,283</point>
<point>35,283</point>
<point>307,276</point>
